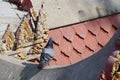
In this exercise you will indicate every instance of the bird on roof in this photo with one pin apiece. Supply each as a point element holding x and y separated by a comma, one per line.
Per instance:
<point>47,54</point>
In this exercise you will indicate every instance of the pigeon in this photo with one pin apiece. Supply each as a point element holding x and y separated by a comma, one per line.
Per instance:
<point>47,54</point>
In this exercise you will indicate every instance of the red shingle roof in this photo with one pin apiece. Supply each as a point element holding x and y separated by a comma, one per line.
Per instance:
<point>77,42</point>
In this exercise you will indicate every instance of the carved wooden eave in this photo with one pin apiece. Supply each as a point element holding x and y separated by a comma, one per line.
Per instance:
<point>26,26</point>
<point>9,37</point>
<point>31,35</point>
<point>32,24</point>
<point>33,14</point>
<point>112,69</point>
<point>41,31</point>
<point>42,15</point>
<point>24,33</point>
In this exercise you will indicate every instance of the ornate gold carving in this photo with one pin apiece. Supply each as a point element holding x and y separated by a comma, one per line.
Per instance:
<point>32,32</point>
<point>9,38</point>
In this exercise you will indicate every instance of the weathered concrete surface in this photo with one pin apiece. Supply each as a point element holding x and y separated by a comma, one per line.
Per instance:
<point>65,12</point>
<point>9,13</point>
<point>88,69</point>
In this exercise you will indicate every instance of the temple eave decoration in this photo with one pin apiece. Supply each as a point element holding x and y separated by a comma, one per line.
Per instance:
<point>29,38</point>
<point>112,68</point>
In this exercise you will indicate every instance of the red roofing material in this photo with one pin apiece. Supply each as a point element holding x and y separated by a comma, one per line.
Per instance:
<point>75,57</point>
<point>98,48</point>
<point>105,24</point>
<point>68,33</point>
<point>78,42</point>
<point>93,27</point>
<point>78,47</point>
<point>53,62</point>
<point>115,19</point>
<point>112,31</point>
<point>102,38</point>
<point>57,35</point>
<point>66,47</point>
<point>91,42</point>
<point>80,30</point>
<point>87,53</point>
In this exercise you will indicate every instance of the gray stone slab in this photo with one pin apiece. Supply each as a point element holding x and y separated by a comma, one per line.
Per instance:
<point>65,12</point>
<point>9,13</point>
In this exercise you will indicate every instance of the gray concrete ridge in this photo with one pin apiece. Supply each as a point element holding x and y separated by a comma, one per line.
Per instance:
<point>88,69</point>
